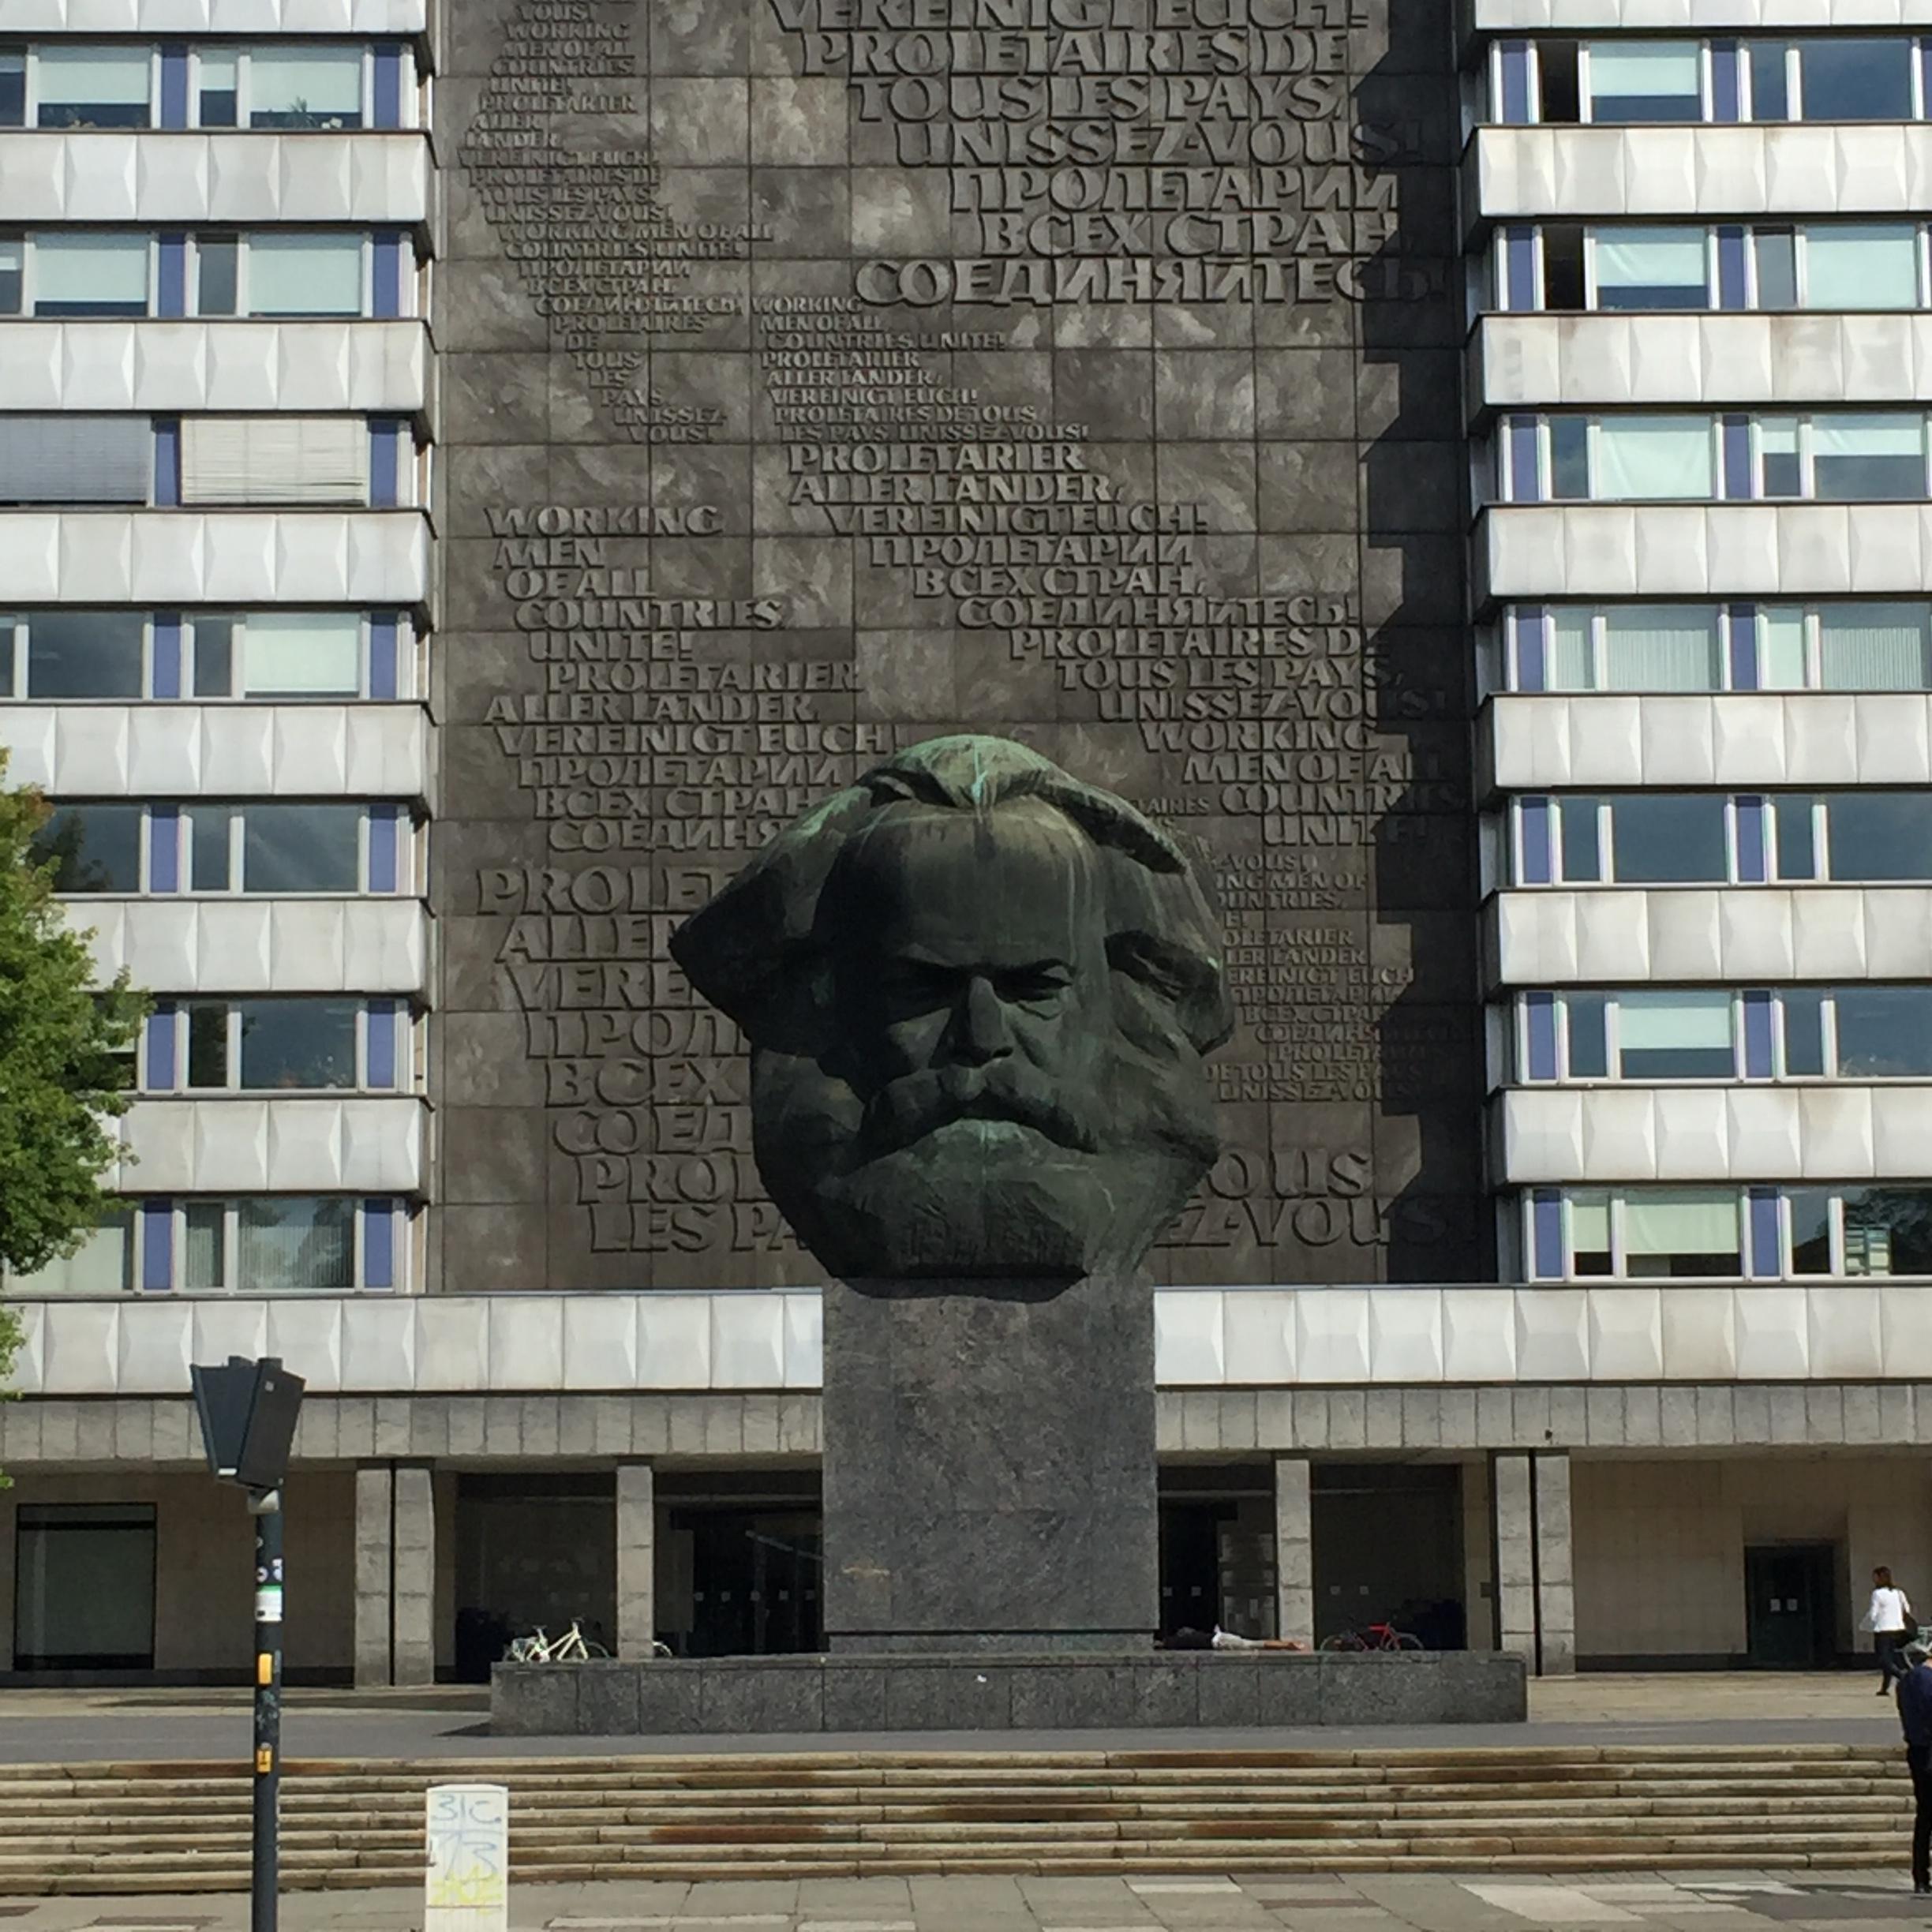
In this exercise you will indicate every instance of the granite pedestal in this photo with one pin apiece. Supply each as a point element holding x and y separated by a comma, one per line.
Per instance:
<point>1208,1690</point>
<point>990,1466</point>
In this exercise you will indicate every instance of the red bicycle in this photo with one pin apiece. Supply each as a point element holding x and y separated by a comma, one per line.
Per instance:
<point>1372,1637</point>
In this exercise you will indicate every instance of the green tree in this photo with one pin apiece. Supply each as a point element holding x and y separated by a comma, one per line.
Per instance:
<point>64,1043</point>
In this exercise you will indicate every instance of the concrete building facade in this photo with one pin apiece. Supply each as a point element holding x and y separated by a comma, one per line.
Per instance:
<point>1568,1285</point>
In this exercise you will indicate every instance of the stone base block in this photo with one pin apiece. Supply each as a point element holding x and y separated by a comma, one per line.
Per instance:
<point>1208,1690</point>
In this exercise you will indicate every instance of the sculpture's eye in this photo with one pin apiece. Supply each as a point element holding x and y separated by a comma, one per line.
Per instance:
<point>1038,984</point>
<point>905,987</point>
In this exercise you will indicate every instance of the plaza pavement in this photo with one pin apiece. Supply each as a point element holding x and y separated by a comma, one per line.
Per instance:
<point>1724,1901</point>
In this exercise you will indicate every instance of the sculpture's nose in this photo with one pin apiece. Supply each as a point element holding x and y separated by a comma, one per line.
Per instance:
<point>978,1032</point>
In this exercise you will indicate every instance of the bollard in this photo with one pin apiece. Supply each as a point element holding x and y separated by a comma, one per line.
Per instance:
<point>466,1888</point>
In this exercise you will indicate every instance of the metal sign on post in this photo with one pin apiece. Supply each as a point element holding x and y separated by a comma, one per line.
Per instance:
<point>248,1410</point>
<point>467,1889</point>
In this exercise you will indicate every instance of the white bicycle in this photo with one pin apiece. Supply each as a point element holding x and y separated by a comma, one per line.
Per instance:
<point>572,1647</point>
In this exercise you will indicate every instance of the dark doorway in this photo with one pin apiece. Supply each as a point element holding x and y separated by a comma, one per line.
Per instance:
<point>1190,1563</point>
<point>1790,1605</point>
<point>741,1581</point>
<point>1389,1548</point>
<point>83,1588</point>
<point>533,1551</point>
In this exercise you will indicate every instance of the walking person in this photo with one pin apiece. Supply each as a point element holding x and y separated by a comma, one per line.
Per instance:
<point>1914,1705</point>
<point>1890,1621</point>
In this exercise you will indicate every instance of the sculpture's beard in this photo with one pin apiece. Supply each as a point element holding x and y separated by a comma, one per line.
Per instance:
<point>982,1172</point>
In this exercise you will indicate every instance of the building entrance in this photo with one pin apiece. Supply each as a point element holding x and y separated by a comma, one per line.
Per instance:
<point>1790,1607</point>
<point>1389,1548</point>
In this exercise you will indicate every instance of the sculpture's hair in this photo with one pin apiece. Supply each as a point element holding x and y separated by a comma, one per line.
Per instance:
<point>756,952</point>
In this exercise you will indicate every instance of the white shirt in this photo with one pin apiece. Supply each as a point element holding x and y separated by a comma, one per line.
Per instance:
<point>1889,1611</point>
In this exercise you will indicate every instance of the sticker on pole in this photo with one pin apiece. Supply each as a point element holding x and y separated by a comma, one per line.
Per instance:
<point>468,1886</point>
<point>268,1604</point>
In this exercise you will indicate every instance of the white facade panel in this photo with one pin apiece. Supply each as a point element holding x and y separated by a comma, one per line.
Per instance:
<point>185,366</point>
<point>241,1144</point>
<point>1711,15</point>
<point>1745,934</point>
<point>251,18</point>
<point>1696,550</point>
<point>1551,1135</point>
<point>1608,741</point>
<point>1532,361</point>
<point>131,178</point>
<point>164,558</point>
<point>231,945</point>
<point>319,750</point>
<point>1737,172</point>
<point>483,1344</point>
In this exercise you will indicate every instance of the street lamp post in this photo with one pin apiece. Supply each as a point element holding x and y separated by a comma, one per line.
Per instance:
<point>248,1411</point>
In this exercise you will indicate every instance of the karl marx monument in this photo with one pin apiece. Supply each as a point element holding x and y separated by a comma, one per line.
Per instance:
<point>978,995</point>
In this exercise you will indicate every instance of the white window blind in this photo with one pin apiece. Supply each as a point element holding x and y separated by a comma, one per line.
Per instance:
<point>1570,651</point>
<point>91,268</point>
<point>1652,458</point>
<point>1650,258</point>
<point>1645,70</point>
<point>1650,1022</point>
<point>102,1265</point>
<point>315,81</point>
<point>271,459</point>
<point>1680,1221</point>
<point>301,653</point>
<point>1861,267</point>
<point>1781,649</point>
<point>91,76</point>
<point>1873,646</point>
<point>76,459</point>
<point>1661,647</point>
<point>1589,1223</point>
<point>1868,436</point>
<point>299,274</point>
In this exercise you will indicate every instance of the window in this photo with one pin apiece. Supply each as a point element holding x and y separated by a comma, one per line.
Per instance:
<point>93,87</point>
<point>268,1045</point>
<point>1650,268</point>
<point>1676,1233</point>
<point>103,1264</point>
<point>295,1242</point>
<point>218,274</point>
<point>1661,647</point>
<point>1887,1230</point>
<point>1866,265</point>
<point>1770,98</point>
<point>1774,263</point>
<point>301,654</point>
<point>1875,646</point>
<point>283,1243</point>
<point>1677,1035</point>
<point>1883,1032</point>
<point>93,848</point>
<point>12,274</point>
<point>1880,836</point>
<point>76,459</point>
<point>305,274</point>
<point>13,88</point>
<point>1659,838</point>
<point>305,87</point>
<point>270,459</point>
<point>274,848</point>
<point>73,654</point>
<point>1856,80</point>
<point>1868,458</point>
<point>85,274</point>
<point>1809,1213</point>
<point>217,83</point>
<point>84,1593</point>
<point>1645,80</point>
<point>1648,458</point>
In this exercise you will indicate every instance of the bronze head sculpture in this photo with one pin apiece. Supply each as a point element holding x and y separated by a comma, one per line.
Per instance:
<point>979,995</point>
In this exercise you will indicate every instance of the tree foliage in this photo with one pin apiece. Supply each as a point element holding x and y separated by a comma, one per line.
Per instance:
<point>63,1043</point>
